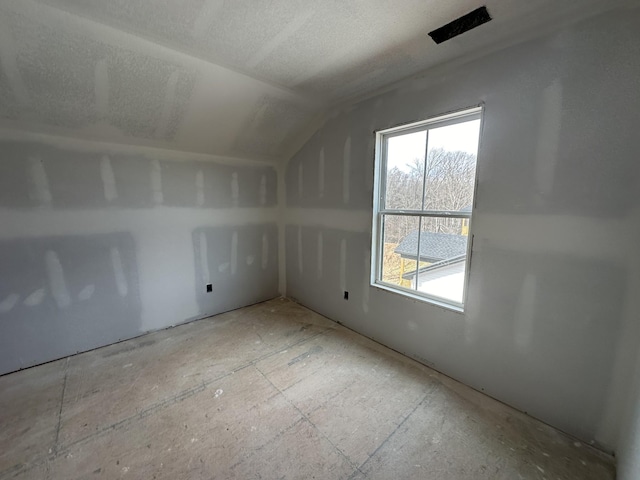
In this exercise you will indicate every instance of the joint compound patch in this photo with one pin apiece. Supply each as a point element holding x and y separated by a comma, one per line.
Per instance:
<point>234,253</point>
<point>118,271</point>
<point>263,190</point>
<point>108,179</point>
<point>265,251</point>
<point>235,189</point>
<point>321,173</point>
<point>57,282</point>
<point>9,302</point>
<point>200,188</point>
<point>35,298</point>
<point>86,293</point>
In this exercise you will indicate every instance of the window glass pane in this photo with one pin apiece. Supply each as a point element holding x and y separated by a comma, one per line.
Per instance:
<point>451,166</point>
<point>405,171</point>
<point>443,254</point>
<point>399,253</point>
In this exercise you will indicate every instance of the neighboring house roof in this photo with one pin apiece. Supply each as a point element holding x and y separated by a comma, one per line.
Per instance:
<point>433,246</point>
<point>435,267</point>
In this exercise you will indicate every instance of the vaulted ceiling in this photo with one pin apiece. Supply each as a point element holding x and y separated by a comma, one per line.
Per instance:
<point>241,78</point>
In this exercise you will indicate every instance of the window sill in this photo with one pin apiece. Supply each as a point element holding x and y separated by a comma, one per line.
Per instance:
<point>412,296</point>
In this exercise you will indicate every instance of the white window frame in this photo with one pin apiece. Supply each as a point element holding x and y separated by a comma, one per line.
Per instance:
<point>467,114</point>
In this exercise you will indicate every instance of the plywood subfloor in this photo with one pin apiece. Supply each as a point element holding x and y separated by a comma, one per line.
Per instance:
<point>269,391</point>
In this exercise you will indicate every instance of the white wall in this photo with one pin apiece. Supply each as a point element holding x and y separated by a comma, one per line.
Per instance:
<point>552,307</point>
<point>102,242</point>
<point>108,227</point>
<point>629,445</point>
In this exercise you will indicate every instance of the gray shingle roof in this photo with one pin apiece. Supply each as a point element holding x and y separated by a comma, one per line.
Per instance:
<point>436,266</point>
<point>433,246</point>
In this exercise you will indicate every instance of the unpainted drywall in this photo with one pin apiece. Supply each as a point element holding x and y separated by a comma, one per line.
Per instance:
<point>330,49</point>
<point>237,78</point>
<point>551,307</point>
<point>64,74</point>
<point>629,449</point>
<point>100,243</point>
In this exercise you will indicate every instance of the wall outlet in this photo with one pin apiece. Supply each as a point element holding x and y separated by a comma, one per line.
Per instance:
<point>209,287</point>
<point>346,295</point>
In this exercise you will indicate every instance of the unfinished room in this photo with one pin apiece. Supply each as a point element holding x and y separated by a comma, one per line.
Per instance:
<point>341,239</point>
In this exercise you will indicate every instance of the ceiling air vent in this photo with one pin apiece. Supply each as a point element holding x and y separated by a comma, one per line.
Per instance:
<point>461,25</point>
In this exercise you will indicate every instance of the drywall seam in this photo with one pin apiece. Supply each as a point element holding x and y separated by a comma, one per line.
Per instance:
<point>320,174</point>
<point>204,259</point>
<point>523,230</point>
<point>37,223</point>
<point>299,249</point>
<point>235,189</point>
<point>108,179</point>
<point>10,301</point>
<point>156,182</point>
<point>264,254</point>
<point>343,265</point>
<point>90,135</point>
<point>109,148</point>
<point>346,169</point>
<point>548,138</point>
<point>366,282</point>
<point>268,48</point>
<point>57,282</point>
<point>118,272</point>
<point>200,197</point>
<point>320,255</point>
<point>234,252</point>
<point>39,182</point>
<point>569,234</point>
<point>351,221</point>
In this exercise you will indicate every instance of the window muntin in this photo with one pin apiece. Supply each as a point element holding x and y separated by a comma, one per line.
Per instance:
<point>425,182</point>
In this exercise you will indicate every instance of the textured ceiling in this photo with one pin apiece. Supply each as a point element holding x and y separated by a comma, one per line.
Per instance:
<point>239,78</point>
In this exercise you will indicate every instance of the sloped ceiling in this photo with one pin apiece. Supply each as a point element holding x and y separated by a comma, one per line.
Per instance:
<point>240,78</point>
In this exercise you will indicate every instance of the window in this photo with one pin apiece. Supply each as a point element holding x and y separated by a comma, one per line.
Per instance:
<point>424,191</point>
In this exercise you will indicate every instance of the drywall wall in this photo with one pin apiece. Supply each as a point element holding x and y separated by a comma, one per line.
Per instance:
<point>629,444</point>
<point>101,242</point>
<point>552,290</point>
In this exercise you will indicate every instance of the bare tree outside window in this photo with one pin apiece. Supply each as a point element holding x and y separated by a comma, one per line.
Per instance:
<point>450,179</point>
